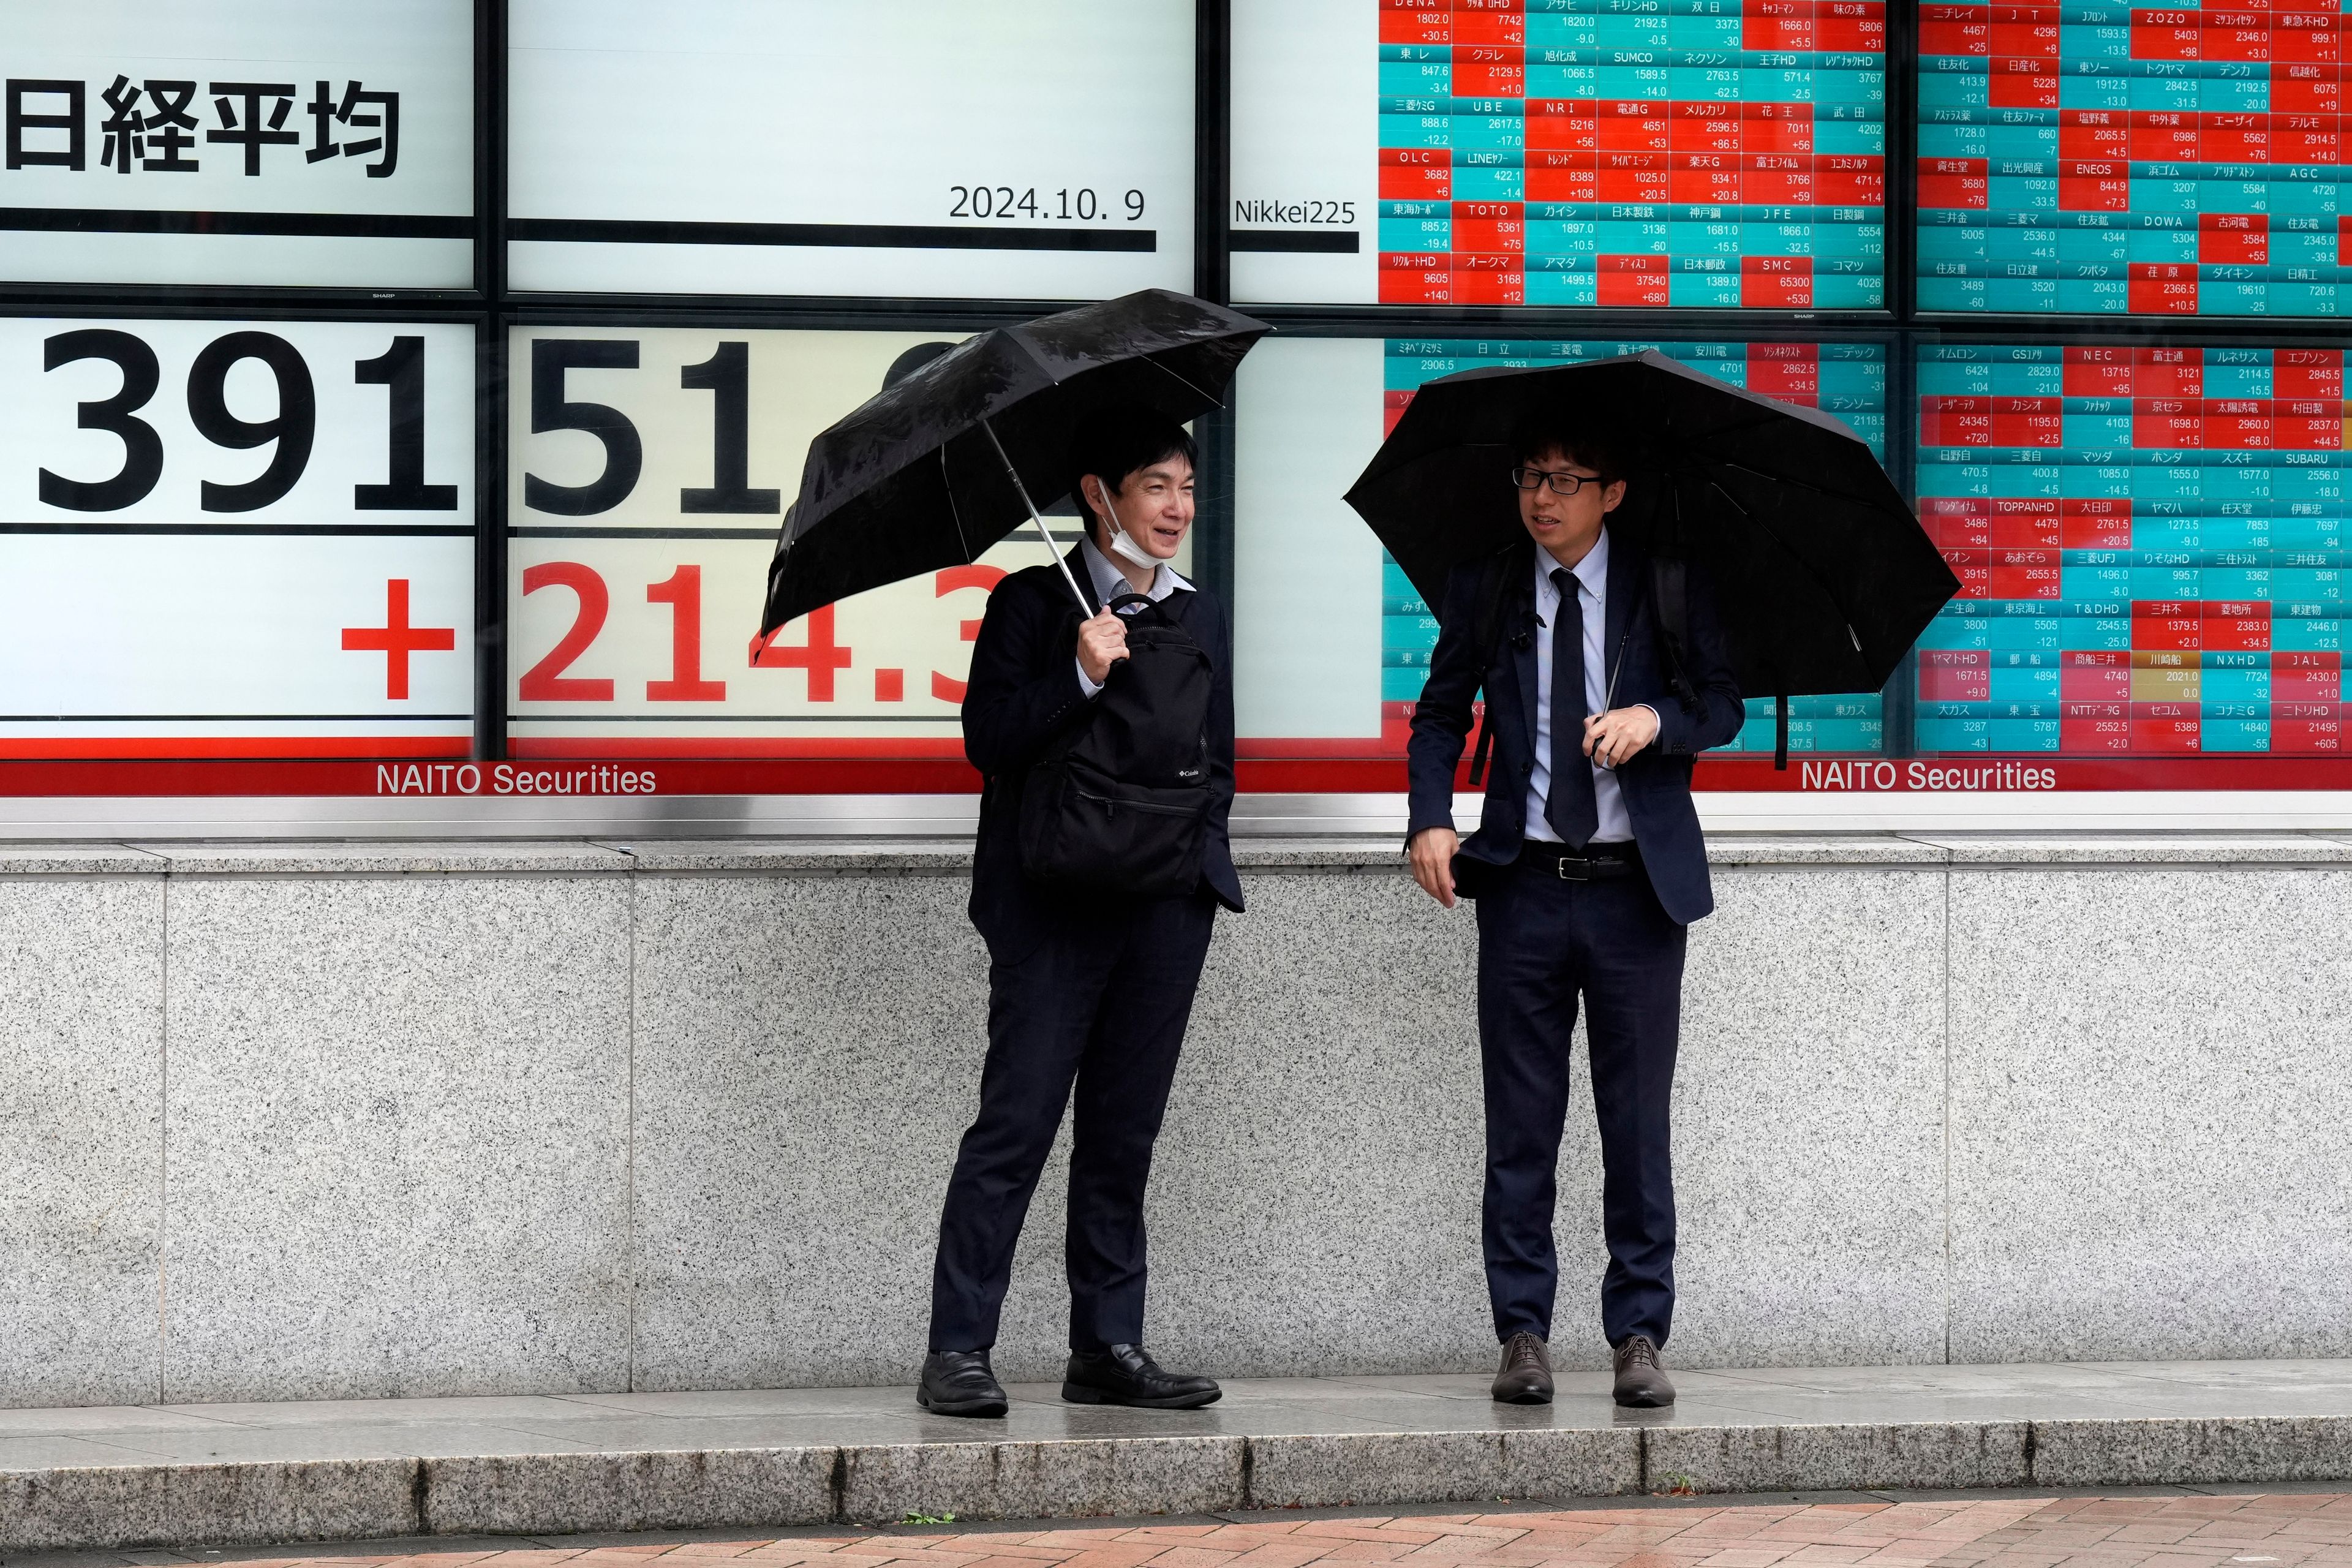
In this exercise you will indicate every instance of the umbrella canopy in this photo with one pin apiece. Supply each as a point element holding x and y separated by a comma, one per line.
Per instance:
<point>1824,576</point>
<point>917,479</point>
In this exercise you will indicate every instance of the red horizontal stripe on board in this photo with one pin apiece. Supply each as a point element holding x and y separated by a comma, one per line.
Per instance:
<point>350,748</point>
<point>2123,770</point>
<point>856,748</point>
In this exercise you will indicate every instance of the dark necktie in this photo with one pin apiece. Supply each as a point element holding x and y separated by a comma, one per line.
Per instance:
<point>1569,807</point>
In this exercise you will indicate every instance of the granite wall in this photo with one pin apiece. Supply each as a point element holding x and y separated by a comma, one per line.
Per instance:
<point>344,1120</point>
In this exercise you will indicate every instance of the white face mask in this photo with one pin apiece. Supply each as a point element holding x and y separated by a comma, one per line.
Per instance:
<point>1121,542</point>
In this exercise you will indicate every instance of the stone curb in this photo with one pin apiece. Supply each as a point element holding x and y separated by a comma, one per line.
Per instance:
<point>129,1506</point>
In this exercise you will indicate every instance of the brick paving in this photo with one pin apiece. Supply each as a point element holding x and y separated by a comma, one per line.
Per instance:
<point>2294,1530</point>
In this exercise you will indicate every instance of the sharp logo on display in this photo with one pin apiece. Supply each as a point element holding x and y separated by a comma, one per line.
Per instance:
<point>284,143</point>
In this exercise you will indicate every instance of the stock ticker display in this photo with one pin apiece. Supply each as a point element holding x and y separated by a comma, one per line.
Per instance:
<point>1846,379</point>
<point>1634,153</point>
<point>2150,544</point>
<point>2099,159</point>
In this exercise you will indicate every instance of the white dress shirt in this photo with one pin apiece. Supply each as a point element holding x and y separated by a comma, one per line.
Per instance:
<point>1591,578</point>
<point>1108,580</point>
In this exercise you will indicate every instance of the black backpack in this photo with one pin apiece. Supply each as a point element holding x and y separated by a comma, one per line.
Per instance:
<point>1122,801</point>
<point>1668,595</point>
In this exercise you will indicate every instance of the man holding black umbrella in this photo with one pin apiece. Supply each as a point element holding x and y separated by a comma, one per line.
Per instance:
<point>1587,867</point>
<point>1087,993</point>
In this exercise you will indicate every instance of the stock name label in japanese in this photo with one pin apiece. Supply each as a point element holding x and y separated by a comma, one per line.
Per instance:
<point>274,142</point>
<point>1326,680</point>
<point>649,475</point>
<point>932,148</point>
<point>238,555</point>
<point>1630,153</point>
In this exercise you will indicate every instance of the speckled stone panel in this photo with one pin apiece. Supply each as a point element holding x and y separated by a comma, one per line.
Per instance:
<point>1839,1457</point>
<point>2151,1113</point>
<point>1073,1480</point>
<point>2178,1452</point>
<point>1367,1469</point>
<point>809,1050</point>
<point>1809,1125</point>
<point>397,1130</point>
<point>84,1510</point>
<point>569,1493</point>
<point>1314,1205</point>
<point>1808,1133</point>
<point>808,1055</point>
<point>81,1172</point>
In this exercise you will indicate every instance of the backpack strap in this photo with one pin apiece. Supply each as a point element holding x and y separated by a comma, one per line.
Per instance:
<point>1486,634</point>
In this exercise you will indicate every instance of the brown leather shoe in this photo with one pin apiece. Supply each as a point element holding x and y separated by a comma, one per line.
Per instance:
<point>1524,1377</point>
<point>1640,1381</point>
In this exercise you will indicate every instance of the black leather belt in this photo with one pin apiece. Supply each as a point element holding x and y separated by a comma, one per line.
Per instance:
<point>1597,863</point>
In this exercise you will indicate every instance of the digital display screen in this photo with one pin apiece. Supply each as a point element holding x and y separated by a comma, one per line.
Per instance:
<point>233,541</point>
<point>1622,153</point>
<point>1307,645</point>
<point>651,469</point>
<point>2099,159</point>
<point>929,148</point>
<point>2151,549</point>
<point>264,142</point>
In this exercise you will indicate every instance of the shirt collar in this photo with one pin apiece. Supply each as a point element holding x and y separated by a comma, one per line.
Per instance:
<point>1592,570</point>
<point>1109,580</point>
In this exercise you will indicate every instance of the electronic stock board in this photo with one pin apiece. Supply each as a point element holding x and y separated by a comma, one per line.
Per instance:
<point>1627,154</point>
<point>2150,544</point>
<point>2098,158</point>
<point>1295,697</point>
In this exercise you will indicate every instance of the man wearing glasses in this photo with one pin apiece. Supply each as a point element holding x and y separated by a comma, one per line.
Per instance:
<point>1587,867</point>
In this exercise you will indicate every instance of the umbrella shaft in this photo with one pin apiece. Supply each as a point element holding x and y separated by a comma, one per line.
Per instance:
<point>1043,537</point>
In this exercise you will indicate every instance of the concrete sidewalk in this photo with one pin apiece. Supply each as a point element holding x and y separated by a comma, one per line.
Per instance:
<point>349,1470</point>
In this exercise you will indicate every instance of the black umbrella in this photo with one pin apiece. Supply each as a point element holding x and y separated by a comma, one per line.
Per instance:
<point>948,460</point>
<point>1824,576</point>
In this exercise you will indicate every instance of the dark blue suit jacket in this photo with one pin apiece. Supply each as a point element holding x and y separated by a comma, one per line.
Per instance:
<point>1655,782</point>
<point>1023,692</point>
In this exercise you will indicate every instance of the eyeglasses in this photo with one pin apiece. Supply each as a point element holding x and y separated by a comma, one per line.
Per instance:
<point>1562,482</point>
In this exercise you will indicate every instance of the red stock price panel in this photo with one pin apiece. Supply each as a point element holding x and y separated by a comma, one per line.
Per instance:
<point>2100,158</point>
<point>1630,153</point>
<point>649,475</point>
<point>2150,545</point>
<point>239,554</point>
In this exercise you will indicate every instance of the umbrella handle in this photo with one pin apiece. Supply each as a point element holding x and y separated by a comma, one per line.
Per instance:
<point>1043,537</point>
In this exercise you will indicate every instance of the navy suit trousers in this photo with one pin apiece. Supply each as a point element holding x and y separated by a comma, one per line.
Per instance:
<point>1541,942</point>
<point>1099,1006</point>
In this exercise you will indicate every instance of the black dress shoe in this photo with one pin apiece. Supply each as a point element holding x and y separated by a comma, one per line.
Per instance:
<point>1126,1375</point>
<point>959,1383</point>
<point>1525,1376</point>
<point>1641,1382</point>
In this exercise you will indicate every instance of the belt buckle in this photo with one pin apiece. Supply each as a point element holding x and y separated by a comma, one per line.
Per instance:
<point>1581,874</point>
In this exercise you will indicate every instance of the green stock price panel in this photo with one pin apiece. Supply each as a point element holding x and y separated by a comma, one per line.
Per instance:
<point>2151,546</point>
<point>2096,158</point>
<point>1628,153</point>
